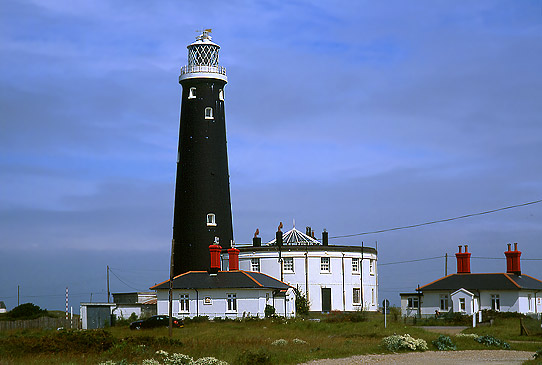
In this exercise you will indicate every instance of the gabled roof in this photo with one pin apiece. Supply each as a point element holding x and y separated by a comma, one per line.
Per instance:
<point>237,279</point>
<point>295,237</point>
<point>501,281</point>
<point>462,290</point>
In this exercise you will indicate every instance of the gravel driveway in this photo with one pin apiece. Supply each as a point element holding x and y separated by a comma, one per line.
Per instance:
<point>469,357</point>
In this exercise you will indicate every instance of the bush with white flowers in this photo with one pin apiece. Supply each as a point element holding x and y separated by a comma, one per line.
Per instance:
<point>404,342</point>
<point>279,342</point>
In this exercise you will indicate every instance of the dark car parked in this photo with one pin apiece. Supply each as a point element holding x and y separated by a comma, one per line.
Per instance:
<point>156,321</point>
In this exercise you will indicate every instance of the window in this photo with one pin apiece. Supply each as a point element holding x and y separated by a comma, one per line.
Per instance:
<point>192,93</point>
<point>183,303</point>
<point>413,302</point>
<point>355,265</point>
<point>324,264</point>
<point>372,267</point>
<point>529,299</point>
<point>462,306</point>
<point>444,302</point>
<point>232,302</point>
<point>211,219</point>
<point>373,296</point>
<point>495,302</point>
<point>255,263</point>
<point>221,94</point>
<point>207,301</point>
<point>208,113</point>
<point>289,264</point>
<point>356,296</point>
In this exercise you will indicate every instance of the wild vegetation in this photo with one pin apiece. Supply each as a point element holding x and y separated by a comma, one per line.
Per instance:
<point>249,341</point>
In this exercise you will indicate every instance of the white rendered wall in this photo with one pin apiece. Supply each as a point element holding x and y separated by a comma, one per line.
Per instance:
<point>340,279</point>
<point>250,302</point>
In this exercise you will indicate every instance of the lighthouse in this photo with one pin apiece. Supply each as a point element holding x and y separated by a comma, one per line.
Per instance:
<point>202,214</point>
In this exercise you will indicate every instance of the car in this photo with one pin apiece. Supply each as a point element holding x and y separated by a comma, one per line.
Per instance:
<point>156,321</point>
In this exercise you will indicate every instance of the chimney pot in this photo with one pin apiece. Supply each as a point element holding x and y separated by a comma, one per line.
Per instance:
<point>466,246</point>
<point>509,247</point>
<point>460,247</point>
<point>515,246</point>
<point>513,261</point>
<point>233,254</point>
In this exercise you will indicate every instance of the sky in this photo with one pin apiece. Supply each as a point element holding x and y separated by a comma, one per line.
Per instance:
<point>353,116</point>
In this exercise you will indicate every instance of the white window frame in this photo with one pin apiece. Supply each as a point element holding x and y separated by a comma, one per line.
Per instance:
<point>288,264</point>
<point>211,220</point>
<point>529,299</point>
<point>231,302</point>
<point>373,296</point>
<point>372,267</point>
<point>184,303</point>
<point>462,305</point>
<point>221,94</point>
<point>255,264</point>
<point>413,302</point>
<point>192,93</point>
<point>209,113</point>
<point>355,265</point>
<point>325,264</point>
<point>495,302</point>
<point>356,296</point>
<point>444,302</point>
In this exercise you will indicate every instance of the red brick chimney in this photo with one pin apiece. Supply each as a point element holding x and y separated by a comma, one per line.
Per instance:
<point>215,250</point>
<point>463,261</point>
<point>513,260</point>
<point>233,258</point>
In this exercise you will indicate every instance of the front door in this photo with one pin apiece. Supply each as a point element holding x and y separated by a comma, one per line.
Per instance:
<point>326,299</point>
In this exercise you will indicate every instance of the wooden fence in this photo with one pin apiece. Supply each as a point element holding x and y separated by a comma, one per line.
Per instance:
<point>42,322</point>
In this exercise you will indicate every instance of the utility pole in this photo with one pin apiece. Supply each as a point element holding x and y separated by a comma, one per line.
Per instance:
<point>107,283</point>
<point>17,295</point>
<point>446,265</point>
<point>171,290</point>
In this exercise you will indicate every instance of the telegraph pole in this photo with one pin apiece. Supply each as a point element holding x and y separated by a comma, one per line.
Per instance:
<point>446,265</point>
<point>107,283</point>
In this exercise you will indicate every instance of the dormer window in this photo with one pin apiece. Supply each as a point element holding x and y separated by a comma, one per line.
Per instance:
<point>221,94</point>
<point>211,220</point>
<point>192,93</point>
<point>208,113</point>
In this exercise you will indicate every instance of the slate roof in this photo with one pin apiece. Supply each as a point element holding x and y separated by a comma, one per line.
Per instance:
<point>501,281</point>
<point>223,279</point>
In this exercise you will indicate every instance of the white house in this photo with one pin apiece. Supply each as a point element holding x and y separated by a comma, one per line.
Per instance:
<point>226,294</point>
<point>469,293</point>
<point>341,278</point>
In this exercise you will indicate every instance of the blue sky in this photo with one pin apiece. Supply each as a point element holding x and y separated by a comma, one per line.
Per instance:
<point>349,116</point>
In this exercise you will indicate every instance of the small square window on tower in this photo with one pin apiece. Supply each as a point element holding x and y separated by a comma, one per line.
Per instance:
<point>211,219</point>
<point>208,113</point>
<point>221,94</point>
<point>192,93</point>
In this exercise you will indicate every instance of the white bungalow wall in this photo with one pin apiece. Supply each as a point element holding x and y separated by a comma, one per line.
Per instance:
<point>250,302</point>
<point>340,278</point>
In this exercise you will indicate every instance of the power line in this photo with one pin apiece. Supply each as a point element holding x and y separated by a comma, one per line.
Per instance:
<point>407,261</point>
<point>439,221</point>
<point>122,281</point>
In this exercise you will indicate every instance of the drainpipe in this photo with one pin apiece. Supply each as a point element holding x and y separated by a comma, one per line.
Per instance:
<point>344,299</point>
<point>197,303</point>
<point>307,273</point>
<point>361,278</point>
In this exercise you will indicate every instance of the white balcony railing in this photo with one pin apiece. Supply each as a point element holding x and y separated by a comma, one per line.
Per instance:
<point>207,69</point>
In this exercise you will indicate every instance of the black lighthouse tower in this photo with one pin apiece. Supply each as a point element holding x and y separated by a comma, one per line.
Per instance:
<point>202,194</point>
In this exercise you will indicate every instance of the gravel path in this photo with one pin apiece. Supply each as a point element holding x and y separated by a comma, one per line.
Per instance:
<point>470,357</point>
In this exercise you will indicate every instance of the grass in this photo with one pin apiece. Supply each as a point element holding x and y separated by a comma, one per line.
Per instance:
<point>240,342</point>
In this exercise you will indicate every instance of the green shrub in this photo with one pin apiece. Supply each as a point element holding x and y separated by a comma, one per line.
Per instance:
<point>489,340</point>
<point>259,357</point>
<point>338,316</point>
<point>269,311</point>
<point>26,311</point>
<point>444,343</point>
<point>538,354</point>
<point>302,304</point>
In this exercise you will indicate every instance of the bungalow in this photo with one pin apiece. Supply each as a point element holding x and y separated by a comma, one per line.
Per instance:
<point>225,294</point>
<point>470,293</point>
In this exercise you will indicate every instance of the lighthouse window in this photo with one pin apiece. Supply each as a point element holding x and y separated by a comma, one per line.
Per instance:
<point>192,93</point>
<point>221,94</point>
<point>208,113</point>
<point>211,219</point>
